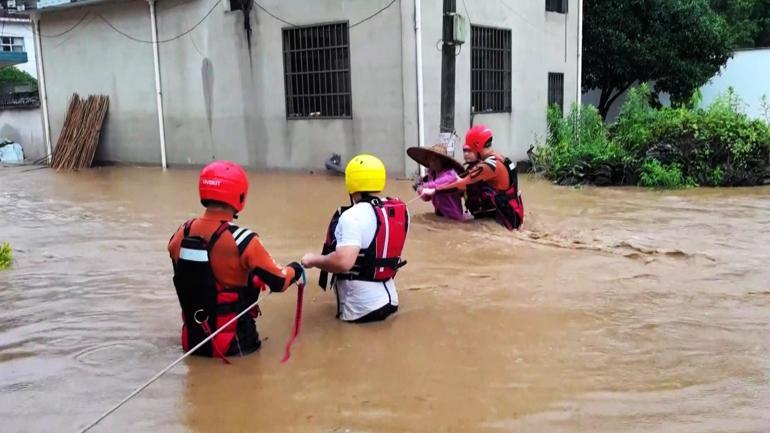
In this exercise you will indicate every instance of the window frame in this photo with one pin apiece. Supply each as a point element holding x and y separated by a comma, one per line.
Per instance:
<point>557,6</point>
<point>325,85</point>
<point>12,44</point>
<point>556,95</point>
<point>482,96</point>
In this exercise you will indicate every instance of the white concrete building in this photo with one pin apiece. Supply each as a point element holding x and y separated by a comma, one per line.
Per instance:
<point>16,37</point>
<point>289,82</point>
<point>20,115</point>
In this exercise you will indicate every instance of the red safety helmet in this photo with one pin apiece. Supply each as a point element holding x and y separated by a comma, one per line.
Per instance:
<point>225,182</point>
<point>477,138</point>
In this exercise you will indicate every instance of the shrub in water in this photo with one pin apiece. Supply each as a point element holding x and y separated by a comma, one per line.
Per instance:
<point>6,255</point>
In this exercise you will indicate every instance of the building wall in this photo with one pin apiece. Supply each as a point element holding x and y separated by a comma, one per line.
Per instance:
<point>224,98</point>
<point>747,74</point>
<point>231,103</point>
<point>93,59</point>
<point>542,42</point>
<point>23,125</point>
<point>11,27</point>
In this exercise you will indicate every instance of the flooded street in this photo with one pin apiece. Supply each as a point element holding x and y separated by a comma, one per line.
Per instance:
<point>615,310</point>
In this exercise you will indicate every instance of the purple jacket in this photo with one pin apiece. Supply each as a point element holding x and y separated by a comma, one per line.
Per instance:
<point>450,205</point>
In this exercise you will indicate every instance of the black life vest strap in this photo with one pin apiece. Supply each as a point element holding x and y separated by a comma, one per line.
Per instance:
<point>513,174</point>
<point>187,226</point>
<point>230,307</point>
<point>390,262</point>
<point>223,226</point>
<point>328,248</point>
<point>323,277</point>
<point>217,234</point>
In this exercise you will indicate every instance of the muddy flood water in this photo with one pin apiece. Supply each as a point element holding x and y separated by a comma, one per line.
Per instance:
<point>615,310</point>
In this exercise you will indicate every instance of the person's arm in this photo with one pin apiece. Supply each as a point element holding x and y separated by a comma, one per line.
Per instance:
<point>342,259</point>
<point>339,261</point>
<point>479,173</point>
<point>174,243</point>
<point>445,178</point>
<point>261,263</point>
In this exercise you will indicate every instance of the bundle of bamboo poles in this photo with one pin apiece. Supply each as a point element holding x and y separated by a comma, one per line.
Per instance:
<point>80,134</point>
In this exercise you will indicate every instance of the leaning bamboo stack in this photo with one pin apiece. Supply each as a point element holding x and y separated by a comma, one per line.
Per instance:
<point>80,134</point>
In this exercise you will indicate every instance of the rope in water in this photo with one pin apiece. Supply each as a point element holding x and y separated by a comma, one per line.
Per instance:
<point>287,352</point>
<point>162,372</point>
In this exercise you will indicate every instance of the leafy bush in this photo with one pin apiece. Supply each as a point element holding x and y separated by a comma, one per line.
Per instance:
<point>577,146</point>
<point>633,130</point>
<point>656,175</point>
<point>14,76</point>
<point>716,146</point>
<point>6,255</point>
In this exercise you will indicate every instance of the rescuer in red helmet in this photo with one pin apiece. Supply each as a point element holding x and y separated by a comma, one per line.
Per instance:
<point>220,268</point>
<point>492,180</point>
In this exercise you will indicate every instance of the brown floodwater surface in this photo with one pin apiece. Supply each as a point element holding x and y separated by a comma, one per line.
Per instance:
<point>615,310</point>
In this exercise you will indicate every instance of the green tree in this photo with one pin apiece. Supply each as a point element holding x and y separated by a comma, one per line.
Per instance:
<point>738,15</point>
<point>11,75</point>
<point>676,44</point>
<point>749,21</point>
<point>762,15</point>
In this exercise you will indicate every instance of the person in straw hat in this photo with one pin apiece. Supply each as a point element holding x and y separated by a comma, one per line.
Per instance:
<point>496,176</point>
<point>442,170</point>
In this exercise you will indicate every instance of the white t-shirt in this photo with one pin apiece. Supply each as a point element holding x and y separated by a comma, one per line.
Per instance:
<point>357,226</point>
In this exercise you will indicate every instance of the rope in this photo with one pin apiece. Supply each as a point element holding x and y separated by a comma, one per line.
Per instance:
<point>162,372</point>
<point>297,317</point>
<point>412,200</point>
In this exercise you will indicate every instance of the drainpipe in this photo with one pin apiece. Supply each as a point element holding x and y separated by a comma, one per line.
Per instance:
<point>579,78</point>
<point>41,85</point>
<point>420,111</point>
<point>158,92</point>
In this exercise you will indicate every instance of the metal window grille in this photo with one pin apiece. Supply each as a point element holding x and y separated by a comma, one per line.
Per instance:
<point>559,6</point>
<point>11,44</point>
<point>556,90</point>
<point>236,5</point>
<point>490,70</point>
<point>316,63</point>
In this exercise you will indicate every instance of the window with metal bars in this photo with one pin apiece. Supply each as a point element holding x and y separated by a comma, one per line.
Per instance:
<point>556,90</point>
<point>316,64</point>
<point>490,70</point>
<point>559,6</point>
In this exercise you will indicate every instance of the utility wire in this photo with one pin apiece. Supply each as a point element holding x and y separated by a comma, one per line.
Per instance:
<point>372,15</point>
<point>163,41</point>
<point>57,35</point>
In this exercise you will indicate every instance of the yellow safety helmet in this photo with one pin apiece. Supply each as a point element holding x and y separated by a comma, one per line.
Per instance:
<point>365,173</point>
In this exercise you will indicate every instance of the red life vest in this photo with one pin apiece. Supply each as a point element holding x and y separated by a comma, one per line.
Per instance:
<point>483,200</point>
<point>509,205</point>
<point>207,304</point>
<point>381,260</point>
